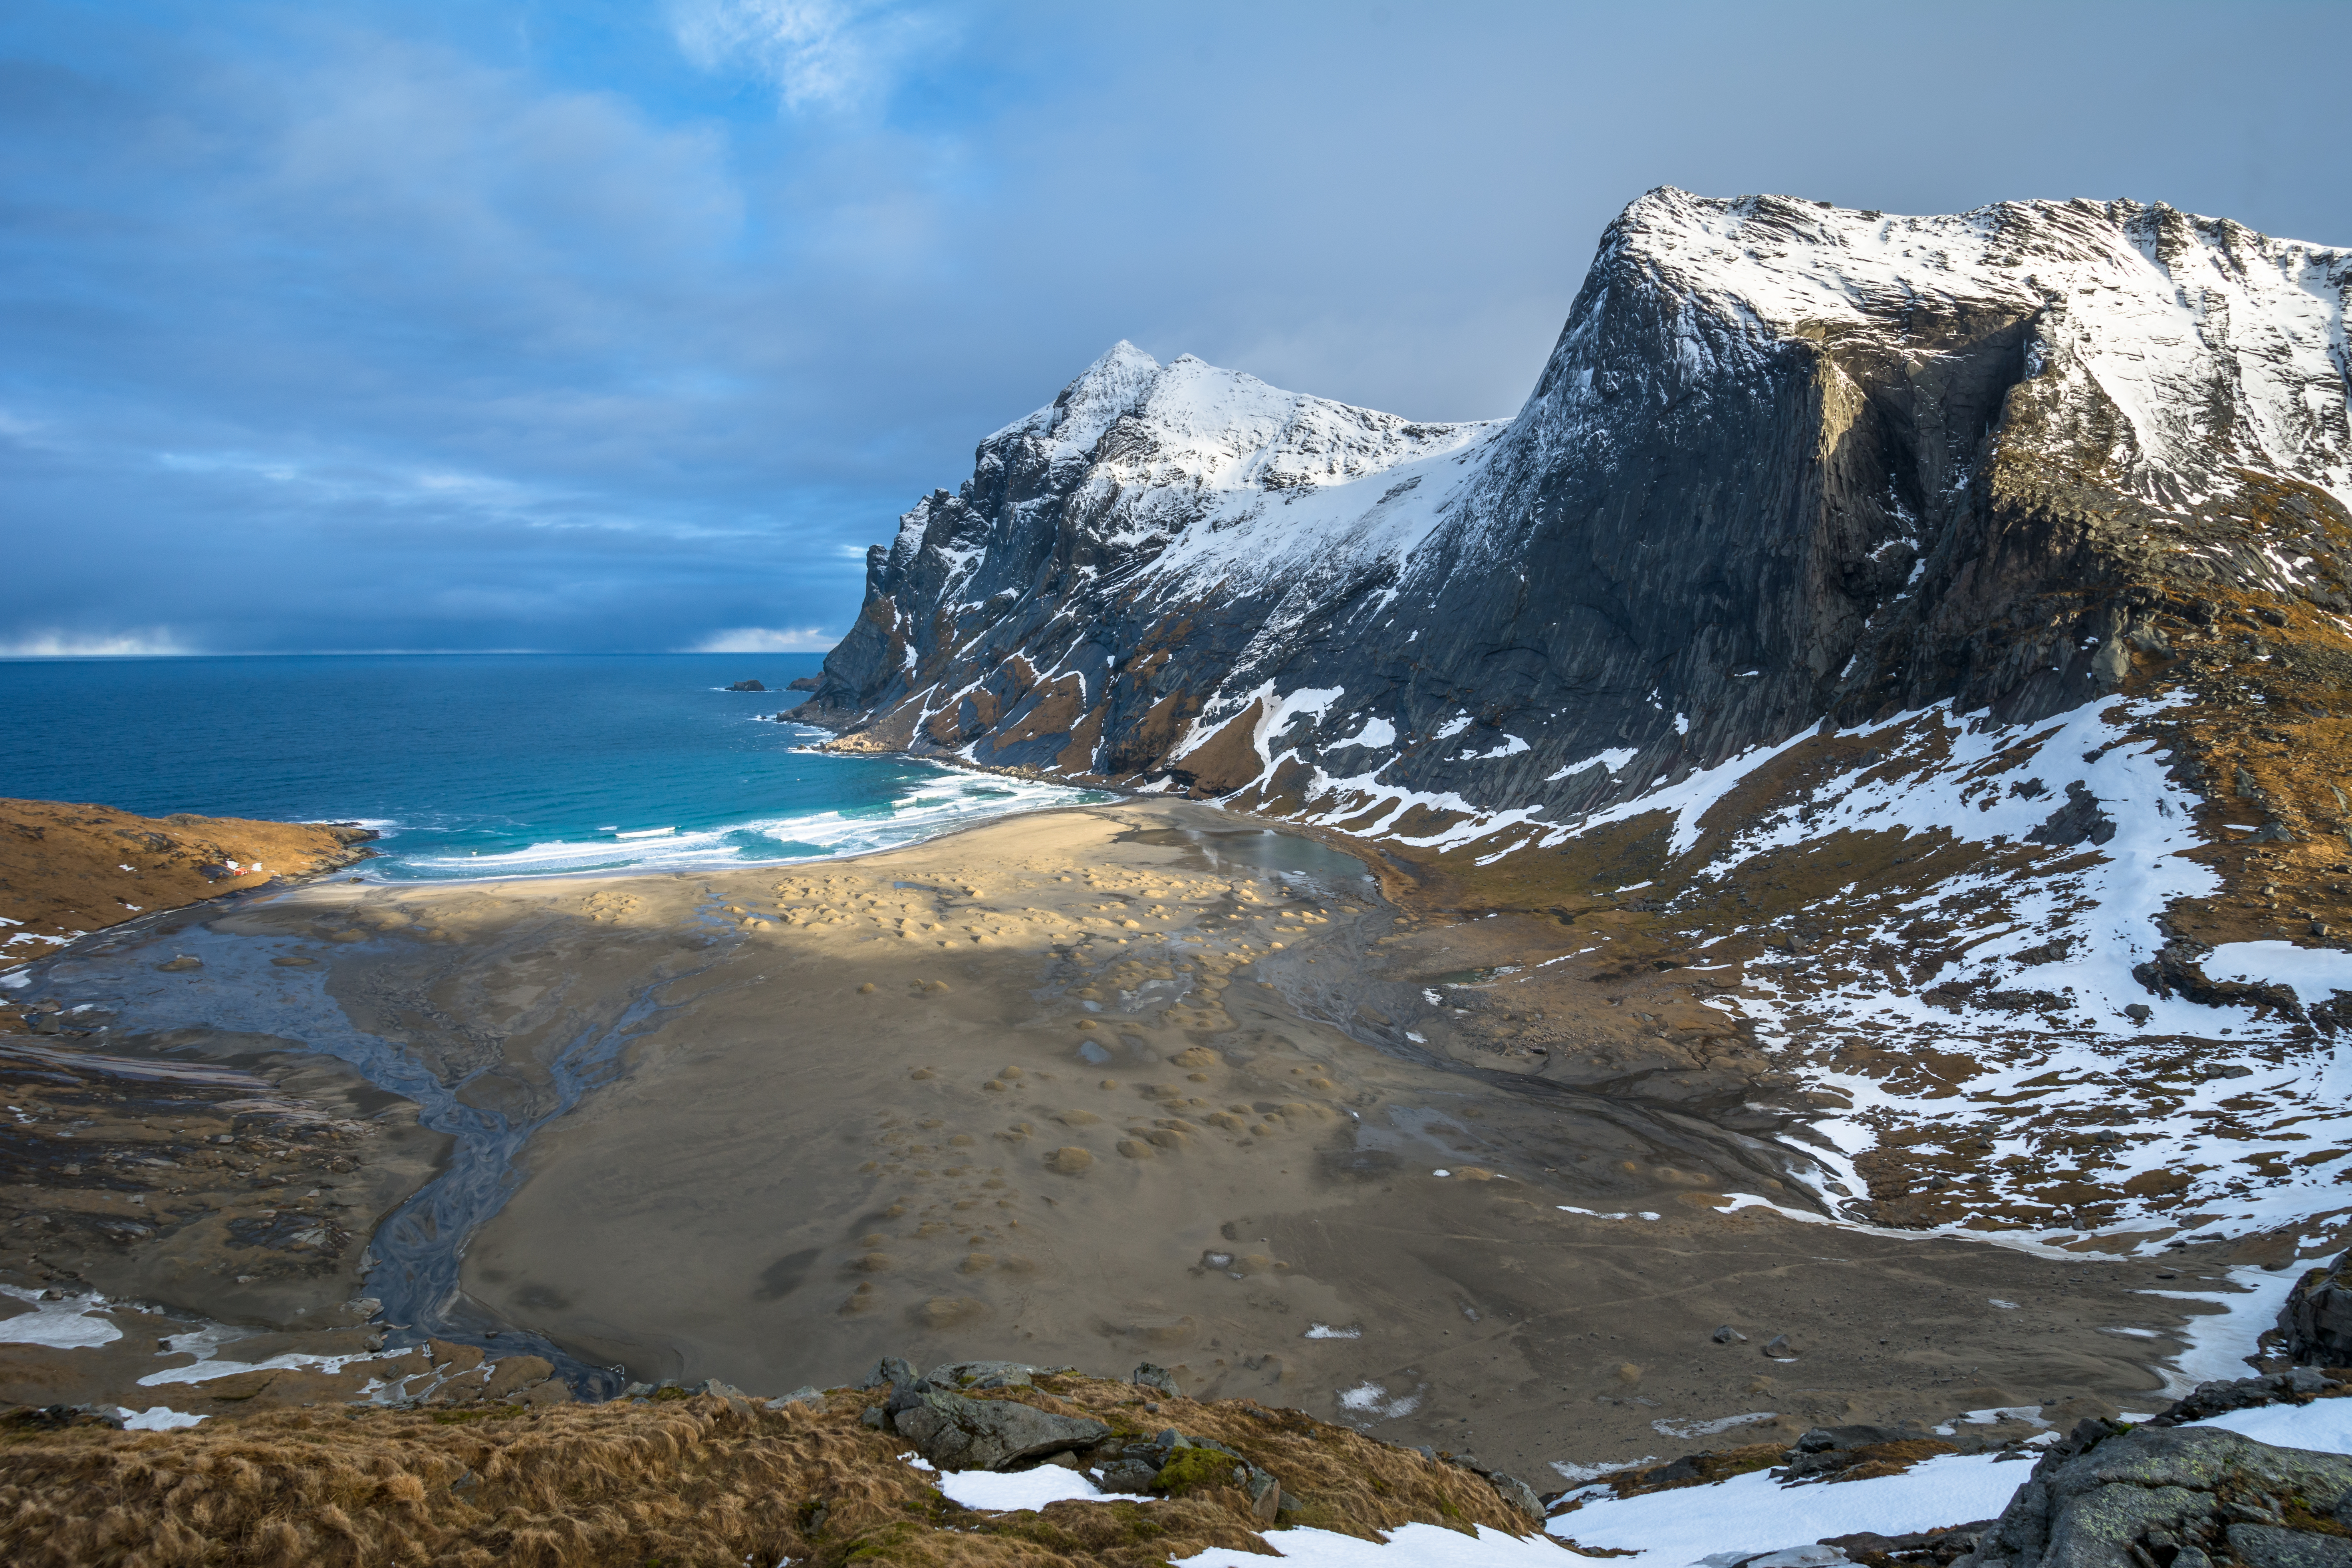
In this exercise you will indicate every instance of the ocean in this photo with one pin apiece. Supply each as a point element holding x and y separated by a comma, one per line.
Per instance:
<point>484,764</point>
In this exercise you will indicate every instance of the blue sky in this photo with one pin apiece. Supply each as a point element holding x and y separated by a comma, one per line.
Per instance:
<point>597,325</point>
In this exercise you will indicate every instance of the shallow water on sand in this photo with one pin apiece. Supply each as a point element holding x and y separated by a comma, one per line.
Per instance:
<point>485,765</point>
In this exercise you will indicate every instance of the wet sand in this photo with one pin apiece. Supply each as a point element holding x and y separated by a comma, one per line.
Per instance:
<point>1083,1087</point>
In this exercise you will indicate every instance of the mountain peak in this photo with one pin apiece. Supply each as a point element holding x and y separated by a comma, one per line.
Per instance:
<point>1119,379</point>
<point>2198,337</point>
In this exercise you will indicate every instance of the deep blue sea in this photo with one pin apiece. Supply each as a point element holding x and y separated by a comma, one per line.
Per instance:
<point>482,764</point>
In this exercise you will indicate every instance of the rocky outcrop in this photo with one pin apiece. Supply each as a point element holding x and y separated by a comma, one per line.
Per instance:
<point>2181,1498</point>
<point>959,1432</point>
<point>2316,1321</point>
<point>1788,462</point>
<point>1172,1463</point>
<point>956,1432</point>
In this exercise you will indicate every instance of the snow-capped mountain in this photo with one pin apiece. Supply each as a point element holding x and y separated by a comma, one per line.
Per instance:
<point>1904,657</point>
<point>1786,461</point>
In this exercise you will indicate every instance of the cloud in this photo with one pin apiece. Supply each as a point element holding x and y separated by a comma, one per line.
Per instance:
<point>154,642</point>
<point>432,326</point>
<point>817,53</point>
<point>767,639</point>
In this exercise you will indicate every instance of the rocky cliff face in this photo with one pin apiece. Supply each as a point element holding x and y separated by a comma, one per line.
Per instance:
<point>1787,462</point>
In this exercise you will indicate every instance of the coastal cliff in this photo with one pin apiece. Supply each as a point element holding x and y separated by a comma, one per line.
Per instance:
<point>1787,462</point>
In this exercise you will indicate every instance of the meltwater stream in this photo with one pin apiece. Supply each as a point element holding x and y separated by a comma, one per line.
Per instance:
<point>413,1259</point>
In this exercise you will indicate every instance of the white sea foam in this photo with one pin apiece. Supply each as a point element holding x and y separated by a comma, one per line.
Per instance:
<point>952,800</point>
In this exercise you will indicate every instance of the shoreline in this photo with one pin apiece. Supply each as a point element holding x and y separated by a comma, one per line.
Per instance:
<point>386,828</point>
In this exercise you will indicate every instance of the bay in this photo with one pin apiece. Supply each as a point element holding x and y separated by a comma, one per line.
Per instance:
<point>484,764</point>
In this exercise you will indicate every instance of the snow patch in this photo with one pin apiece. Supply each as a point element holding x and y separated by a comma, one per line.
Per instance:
<point>71,1324</point>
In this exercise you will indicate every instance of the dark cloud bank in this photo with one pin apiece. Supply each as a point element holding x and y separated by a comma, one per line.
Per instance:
<point>615,327</point>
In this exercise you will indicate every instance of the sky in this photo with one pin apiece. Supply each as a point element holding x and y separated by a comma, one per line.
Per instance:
<point>594,325</point>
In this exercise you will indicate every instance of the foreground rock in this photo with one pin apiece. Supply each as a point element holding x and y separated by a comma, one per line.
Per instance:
<point>2109,1495</point>
<point>2317,1321</point>
<point>958,1433</point>
<point>2180,1498</point>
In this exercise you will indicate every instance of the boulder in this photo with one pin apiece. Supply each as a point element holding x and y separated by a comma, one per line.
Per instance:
<point>2317,1317</point>
<point>2109,1497</point>
<point>747,686</point>
<point>1265,1493</point>
<point>1858,1453</point>
<point>1519,1494</point>
<point>1510,1488</point>
<point>955,1432</point>
<point>889,1372</point>
<point>1175,1464</point>
<point>964,1374</point>
<point>805,683</point>
<point>1148,1376</point>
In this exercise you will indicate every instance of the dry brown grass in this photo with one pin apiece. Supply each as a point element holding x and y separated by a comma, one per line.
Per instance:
<point>698,1481</point>
<point>62,865</point>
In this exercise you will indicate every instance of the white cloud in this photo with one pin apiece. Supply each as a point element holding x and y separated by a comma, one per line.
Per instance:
<point>152,643</point>
<point>817,52</point>
<point>767,639</point>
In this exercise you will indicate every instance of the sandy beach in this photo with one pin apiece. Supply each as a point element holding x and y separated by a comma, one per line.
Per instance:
<point>1096,1087</point>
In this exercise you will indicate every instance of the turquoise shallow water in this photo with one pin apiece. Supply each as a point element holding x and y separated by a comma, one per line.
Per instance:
<point>482,765</point>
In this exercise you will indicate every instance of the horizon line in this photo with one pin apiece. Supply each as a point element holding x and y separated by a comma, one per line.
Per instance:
<point>410,653</point>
